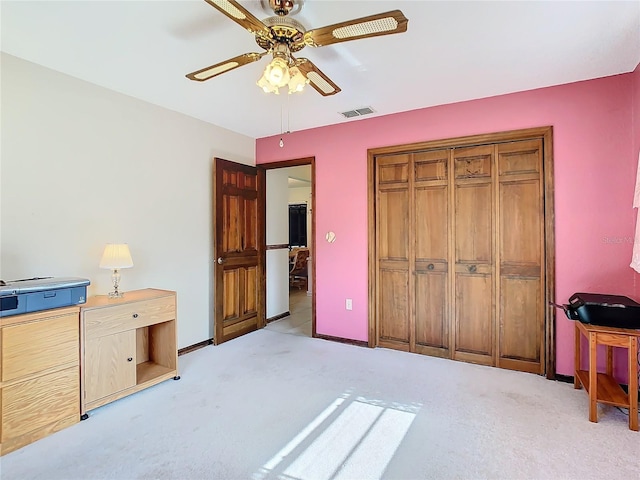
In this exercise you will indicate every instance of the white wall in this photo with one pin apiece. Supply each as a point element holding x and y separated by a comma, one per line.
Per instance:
<point>277,261</point>
<point>82,166</point>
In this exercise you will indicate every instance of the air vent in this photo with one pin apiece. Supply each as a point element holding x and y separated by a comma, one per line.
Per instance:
<point>358,112</point>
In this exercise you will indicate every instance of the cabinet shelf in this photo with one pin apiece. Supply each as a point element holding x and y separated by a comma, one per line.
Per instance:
<point>148,371</point>
<point>608,391</point>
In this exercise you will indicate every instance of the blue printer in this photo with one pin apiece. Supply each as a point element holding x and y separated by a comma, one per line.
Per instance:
<point>35,294</point>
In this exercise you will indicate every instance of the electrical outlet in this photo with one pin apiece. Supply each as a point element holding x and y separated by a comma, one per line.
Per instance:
<point>349,304</point>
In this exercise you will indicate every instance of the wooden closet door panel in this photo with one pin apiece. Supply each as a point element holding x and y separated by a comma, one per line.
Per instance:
<point>473,224</point>
<point>431,267</point>
<point>394,306</point>
<point>431,224</point>
<point>474,318</point>
<point>520,335</point>
<point>393,275</point>
<point>521,256</point>
<point>432,306</point>
<point>394,224</point>
<point>473,220</point>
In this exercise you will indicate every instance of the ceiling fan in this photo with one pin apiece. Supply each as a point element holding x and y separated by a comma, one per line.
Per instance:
<point>281,36</point>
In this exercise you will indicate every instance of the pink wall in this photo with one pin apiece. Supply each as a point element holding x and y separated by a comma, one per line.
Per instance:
<point>594,181</point>
<point>636,110</point>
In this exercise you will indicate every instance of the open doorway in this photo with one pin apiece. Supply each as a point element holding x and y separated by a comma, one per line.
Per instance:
<point>290,296</point>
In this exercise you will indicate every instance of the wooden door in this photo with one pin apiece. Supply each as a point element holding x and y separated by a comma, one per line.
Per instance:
<point>473,224</point>
<point>395,316</point>
<point>520,235</point>
<point>461,242</point>
<point>238,208</point>
<point>431,266</point>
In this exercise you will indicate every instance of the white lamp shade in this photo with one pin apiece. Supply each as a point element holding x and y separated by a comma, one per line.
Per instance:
<point>116,255</point>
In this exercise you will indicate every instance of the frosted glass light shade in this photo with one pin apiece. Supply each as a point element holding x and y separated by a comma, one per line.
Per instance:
<point>115,256</point>
<point>277,72</point>
<point>297,81</point>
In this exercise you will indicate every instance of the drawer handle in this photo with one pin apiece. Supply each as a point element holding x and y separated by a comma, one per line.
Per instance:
<point>472,268</point>
<point>130,359</point>
<point>135,315</point>
<point>430,266</point>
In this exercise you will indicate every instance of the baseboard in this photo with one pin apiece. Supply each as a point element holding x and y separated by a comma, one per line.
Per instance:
<point>358,343</point>
<point>564,378</point>
<point>278,317</point>
<point>195,346</point>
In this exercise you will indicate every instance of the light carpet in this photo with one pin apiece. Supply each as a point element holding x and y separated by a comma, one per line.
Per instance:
<point>272,405</point>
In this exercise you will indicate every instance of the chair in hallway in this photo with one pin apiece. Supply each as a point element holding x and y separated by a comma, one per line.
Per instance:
<point>298,273</point>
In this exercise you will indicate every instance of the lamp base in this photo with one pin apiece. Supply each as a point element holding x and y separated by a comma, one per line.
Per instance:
<point>115,277</point>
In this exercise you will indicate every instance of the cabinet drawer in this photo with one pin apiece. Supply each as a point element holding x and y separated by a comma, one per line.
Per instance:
<point>34,404</point>
<point>128,316</point>
<point>34,347</point>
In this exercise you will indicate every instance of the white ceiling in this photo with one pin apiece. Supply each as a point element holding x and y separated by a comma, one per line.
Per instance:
<point>452,51</point>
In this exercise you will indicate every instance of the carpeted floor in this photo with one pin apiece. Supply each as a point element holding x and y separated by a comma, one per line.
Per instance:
<point>272,405</point>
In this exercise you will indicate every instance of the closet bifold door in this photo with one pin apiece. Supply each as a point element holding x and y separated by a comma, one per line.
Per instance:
<point>394,279</point>
<point>520,243</point>
<point>431,264</point>
<point>474,255</point>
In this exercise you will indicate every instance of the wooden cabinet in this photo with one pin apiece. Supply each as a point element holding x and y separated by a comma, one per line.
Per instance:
<point>40,375</point>
<point>129,344</point>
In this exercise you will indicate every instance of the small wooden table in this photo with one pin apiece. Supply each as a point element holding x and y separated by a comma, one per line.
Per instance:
<point>602,387</point>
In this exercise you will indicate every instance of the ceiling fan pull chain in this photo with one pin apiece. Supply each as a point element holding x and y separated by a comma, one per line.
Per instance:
<point>288,116</point>
<point>281,127</point>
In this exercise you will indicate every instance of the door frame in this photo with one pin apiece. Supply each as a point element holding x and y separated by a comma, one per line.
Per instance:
<point>544,133</point>
<point>296,162</point>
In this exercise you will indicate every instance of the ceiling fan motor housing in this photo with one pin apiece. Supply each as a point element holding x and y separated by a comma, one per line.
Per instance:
<point>283,30</point>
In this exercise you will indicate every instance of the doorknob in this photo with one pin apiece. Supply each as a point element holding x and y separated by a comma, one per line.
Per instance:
<point>221,260</point>
<point>472,268</point>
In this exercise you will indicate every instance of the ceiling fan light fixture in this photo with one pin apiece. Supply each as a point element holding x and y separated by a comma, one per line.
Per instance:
<point>277,72</point>
<point>297,80</point>
<point>266,86</point>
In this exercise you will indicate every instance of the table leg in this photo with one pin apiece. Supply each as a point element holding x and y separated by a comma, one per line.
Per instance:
<point>593,379</point>
<point>633,383</point>
<point>610,360</point>
<point>576,360</point>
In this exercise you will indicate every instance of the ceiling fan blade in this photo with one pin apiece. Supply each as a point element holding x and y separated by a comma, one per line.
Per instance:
<point>240,15</point>
<point>224,67</point>
<point>318,80</point>
<point>365,27</point>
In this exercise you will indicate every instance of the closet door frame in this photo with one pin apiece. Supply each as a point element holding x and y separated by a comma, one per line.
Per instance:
<point>543,133</point>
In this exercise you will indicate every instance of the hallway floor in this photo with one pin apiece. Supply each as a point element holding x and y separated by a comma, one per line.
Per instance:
<point>299,322</point>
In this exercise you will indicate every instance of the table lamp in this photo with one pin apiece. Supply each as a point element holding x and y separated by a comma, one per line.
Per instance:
<point>115,257</point>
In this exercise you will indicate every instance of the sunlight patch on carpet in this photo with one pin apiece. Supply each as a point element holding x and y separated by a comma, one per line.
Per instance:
<point>351,438</point>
